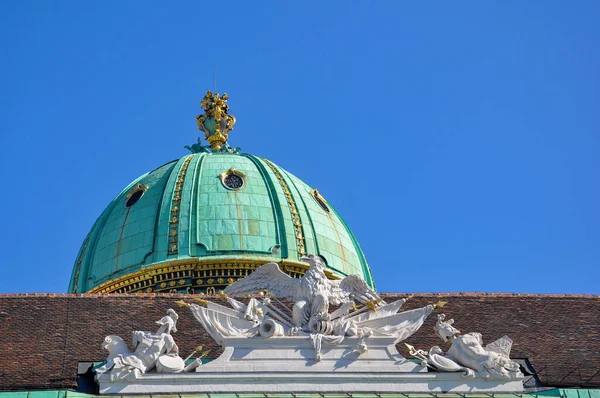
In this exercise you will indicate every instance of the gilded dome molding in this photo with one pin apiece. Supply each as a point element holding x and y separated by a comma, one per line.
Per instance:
<point>300,241</point>
<point>202,274</point>
<point>175,208</point>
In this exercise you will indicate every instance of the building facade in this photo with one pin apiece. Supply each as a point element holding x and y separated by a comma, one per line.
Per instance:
<point>196,225</point>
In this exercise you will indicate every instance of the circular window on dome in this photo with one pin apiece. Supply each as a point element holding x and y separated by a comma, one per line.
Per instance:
<point>320,200</point>
<point>233,179</point>
<point>135,194</point>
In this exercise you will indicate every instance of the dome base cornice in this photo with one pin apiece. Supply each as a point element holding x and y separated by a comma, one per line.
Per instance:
<point>195,275</point>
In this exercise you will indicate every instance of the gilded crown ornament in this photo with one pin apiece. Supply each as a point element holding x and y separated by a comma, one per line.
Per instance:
<point>216,122</point>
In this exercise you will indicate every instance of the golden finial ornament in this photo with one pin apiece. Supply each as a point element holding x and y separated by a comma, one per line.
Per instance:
<point>216,122</point>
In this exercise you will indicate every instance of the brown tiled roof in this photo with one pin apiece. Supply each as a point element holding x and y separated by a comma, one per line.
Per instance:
<point>44,336</point>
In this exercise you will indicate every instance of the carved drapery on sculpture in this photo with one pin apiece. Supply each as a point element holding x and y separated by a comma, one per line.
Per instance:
<point>262,318</point>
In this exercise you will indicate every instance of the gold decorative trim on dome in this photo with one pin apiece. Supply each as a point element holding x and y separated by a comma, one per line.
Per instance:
<point>216,122</point>
<point>300,241</point>
<point>195,275</point>
<point>175,208</point>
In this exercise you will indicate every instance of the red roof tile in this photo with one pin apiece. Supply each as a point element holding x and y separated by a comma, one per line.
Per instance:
<point>46,335</point>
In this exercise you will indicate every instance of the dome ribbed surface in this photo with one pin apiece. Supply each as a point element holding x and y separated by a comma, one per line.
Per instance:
<point>187,213</point>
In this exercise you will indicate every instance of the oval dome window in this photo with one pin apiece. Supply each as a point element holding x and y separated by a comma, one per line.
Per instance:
<point>320,200</point>
<point>135,195</point>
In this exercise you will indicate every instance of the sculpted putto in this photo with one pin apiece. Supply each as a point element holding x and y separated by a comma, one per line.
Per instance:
<point>312,294</point>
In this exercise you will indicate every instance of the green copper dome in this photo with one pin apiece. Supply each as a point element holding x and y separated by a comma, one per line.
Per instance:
<point>208,219</point>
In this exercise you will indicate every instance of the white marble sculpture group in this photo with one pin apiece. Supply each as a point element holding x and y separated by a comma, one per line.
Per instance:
<point>151,350</point>
<point>312,295</point>
<point>467,354</point>
<point>352,347</point>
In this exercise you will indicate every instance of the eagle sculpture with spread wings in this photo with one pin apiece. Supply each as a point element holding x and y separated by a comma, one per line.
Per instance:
<point>312,294</point>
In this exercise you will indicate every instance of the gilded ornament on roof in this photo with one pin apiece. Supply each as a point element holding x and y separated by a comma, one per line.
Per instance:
<point>216,122</point>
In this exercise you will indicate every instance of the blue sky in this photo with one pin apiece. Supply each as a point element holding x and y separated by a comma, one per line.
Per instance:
<point>459,140</point>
